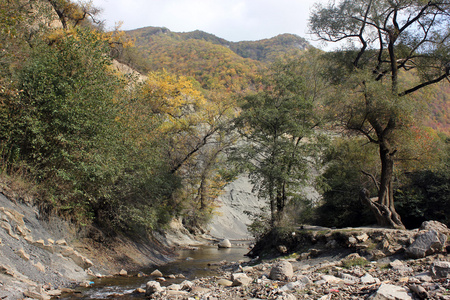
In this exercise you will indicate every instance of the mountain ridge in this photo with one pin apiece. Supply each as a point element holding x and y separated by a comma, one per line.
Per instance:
<point>258,49</point>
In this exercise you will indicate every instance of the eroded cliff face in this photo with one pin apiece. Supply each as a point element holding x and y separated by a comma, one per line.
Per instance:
<point>231,220</point>
<point>41,257</point>
<point>31,256</point>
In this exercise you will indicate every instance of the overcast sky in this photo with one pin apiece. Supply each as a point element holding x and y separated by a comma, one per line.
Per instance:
<point>233,20</point>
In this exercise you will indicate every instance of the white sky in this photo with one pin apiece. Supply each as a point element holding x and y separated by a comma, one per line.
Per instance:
<point>233,20</point>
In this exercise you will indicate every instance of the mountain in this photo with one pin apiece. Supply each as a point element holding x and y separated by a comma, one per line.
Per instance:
<point>214,62</point>
<point>233,66</point>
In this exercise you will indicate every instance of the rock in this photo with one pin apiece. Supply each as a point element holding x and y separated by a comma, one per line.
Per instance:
<point>224,282</point>
<point>153,287</point>
<point>174,287</point>
<point>40,267</point>
<point>362,237</point>
<point>299,284</point>
<point>247,269</point>
<point>314,252</point>
<point>61,242</point>
<point>186,285</point>
<point>77,258</point>
<point>352,240</point>
<point>377,254</point>
<point>424,277</point>
<point>36,295</point>
<point>427,243</point>
<point>177,294</point>
<point>400,267</point>
<point>330,279</point>
<point>390,292</point>
<point>282,249</point>
<point>419,291</point>
<point>23,255</point>
<point>123,273</point>
<point>349,279</point>
<point>282,270</point>
<point>139,291</point>
<point>224,244</point>
<point>240,279</point>
<point>440,269</point>
<point>435,225</point>
<point>197,290</point>
<point>156,273</point>
<point>54,293</point>
<point>368,279</point>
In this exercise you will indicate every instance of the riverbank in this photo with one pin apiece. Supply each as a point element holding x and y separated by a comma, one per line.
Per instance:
<point>42,257</point>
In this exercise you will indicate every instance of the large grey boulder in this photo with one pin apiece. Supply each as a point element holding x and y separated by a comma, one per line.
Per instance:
<point>390,292</point>
<point>435,225</point>
<point>440,269</point>
<point>427,243</point>
<point>282,270</point>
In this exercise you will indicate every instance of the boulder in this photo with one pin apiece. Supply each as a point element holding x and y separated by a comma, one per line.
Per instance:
<point>368,279</point>
<point>224,282</point>
<point>440,269</point>
<point>434,225</point>
<point>224,244</point>
<point>282,270</point>
<point>240,279</point>
<point>390,292</point>
<point>156,273</point>
<point>153,287</point>
<point>427,243</point>
<point>36,295</point>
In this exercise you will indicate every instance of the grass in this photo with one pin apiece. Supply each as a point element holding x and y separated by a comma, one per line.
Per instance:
<point>360,261</point>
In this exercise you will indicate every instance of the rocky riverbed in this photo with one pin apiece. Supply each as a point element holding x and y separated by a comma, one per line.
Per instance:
<point>332,276</point>
<point>349,278</point>
<point>42,258</point>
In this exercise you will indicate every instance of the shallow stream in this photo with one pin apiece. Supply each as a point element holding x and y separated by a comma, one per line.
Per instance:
<point>191,263</point>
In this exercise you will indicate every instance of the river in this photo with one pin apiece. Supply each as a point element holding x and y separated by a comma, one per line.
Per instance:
<point>191,263</point>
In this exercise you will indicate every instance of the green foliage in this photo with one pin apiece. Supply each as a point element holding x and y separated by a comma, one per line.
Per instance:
<point>342,181</point>
<point>67,122</point>
<point>425,196</point>
<point>274,124</point>
<point>357,261</point>
<point>63,117</point>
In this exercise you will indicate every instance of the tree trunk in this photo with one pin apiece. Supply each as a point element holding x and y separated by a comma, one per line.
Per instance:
<point>383,206</point>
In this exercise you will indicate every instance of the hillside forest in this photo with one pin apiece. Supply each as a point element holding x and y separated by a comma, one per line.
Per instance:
<point>367,125</point>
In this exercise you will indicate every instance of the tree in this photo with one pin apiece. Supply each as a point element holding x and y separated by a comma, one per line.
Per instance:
<point>277,126</point>
<point>387,38</point>
<point>192,131</point>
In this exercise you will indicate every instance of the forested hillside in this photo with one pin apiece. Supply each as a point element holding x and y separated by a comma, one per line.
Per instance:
<point>219,64</point>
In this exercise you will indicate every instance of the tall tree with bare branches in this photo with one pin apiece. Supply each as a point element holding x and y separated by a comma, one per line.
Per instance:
<point>385,39</point>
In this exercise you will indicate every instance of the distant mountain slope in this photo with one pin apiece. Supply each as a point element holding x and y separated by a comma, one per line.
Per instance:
<point>269,50</point>
<point>265,50</point>
<point>215,62</point>
<point>233,66</point>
